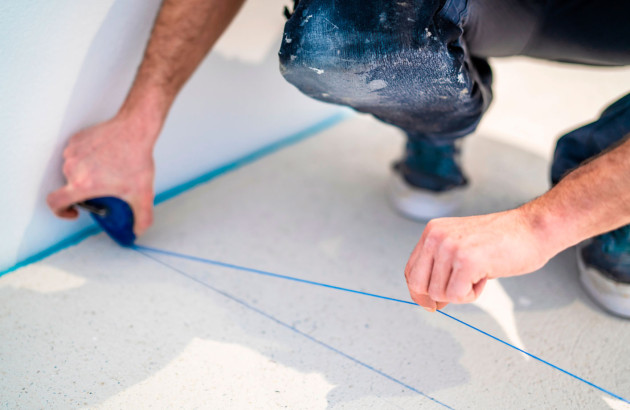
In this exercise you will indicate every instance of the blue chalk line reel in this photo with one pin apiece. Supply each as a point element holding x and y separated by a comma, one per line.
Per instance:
<point>114,216</point>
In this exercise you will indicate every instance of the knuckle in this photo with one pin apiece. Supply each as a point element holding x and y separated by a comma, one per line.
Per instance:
<point>462,259</point>
<point>68,167</point>
<point>68,152</point>
<point>83,184</point>
<point>448,245</point>
<point>438,235</point>
<point>431,242</point>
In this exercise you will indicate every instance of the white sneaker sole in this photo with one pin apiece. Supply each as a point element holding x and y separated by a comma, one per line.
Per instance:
<point>421,204</point>
<point>612,296</point>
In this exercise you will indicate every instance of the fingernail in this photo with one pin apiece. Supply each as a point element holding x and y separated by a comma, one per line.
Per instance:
<point>429,310</point>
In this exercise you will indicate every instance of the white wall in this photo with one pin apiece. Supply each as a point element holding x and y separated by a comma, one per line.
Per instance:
<point>65,65</point>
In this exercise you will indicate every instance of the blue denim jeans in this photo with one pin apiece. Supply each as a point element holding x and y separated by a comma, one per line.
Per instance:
<point>404,62</point>
<point>420,64</point>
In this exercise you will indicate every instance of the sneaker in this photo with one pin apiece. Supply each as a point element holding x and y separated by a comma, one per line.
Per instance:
<point>604,265</point>
<point>428,182</point>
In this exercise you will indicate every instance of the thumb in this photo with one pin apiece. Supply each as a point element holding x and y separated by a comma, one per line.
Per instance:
<point>143,213</point>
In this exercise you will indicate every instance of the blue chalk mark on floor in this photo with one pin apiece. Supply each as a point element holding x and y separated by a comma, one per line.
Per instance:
<point>145,250</point>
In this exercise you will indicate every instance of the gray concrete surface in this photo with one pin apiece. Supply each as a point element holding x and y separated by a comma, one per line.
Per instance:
<point>104,327</point>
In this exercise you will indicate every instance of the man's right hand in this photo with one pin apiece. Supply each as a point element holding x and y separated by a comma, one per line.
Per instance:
<point>113,158</point>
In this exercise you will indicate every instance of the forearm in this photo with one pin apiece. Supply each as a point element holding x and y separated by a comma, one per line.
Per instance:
<point>591,200</point>
<point>183,33</point>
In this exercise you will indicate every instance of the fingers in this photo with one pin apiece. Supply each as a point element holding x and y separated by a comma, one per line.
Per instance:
<point>418,273</point>
<point>428,272</point>
<point>460,288</point>
<point>419,267</point>
<point>62,200</point>
<point>440,271</point>
<point>425,301</point>
<point>143,213</point>
<point>110,159</point>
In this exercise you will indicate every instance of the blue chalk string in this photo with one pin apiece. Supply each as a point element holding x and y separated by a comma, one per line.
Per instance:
<point>241,302</point>
<point>373,295</point>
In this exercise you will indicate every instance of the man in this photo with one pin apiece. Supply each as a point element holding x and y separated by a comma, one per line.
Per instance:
<point>419,65</point>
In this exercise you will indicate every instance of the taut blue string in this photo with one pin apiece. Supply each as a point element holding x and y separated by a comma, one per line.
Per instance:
<point>309,282</point>
<point>241,302</point>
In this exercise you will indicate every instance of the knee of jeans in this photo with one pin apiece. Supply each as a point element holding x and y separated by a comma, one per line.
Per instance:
<point>408,83</point>
<point>362,77</point>
<point>315,61</point>
<point>567,156</point>
<point>592,139</point>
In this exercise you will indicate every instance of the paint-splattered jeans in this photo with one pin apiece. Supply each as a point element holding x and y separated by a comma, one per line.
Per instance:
<point>420,64</point>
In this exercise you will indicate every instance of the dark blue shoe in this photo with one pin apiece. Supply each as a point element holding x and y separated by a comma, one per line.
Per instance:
<point>428,181</point>
<point>605,270</point>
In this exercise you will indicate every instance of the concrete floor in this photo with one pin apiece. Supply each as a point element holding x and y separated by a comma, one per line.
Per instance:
<point>100,326</point>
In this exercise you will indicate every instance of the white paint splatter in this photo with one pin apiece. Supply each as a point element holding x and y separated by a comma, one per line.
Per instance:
<point>45,279</point>
<point>377,85</point>
<point>317,70</point>
<point>306,20</point>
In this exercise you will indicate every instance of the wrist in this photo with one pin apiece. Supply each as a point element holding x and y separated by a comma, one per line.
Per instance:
<point>553,230</point>
<point>146,109</point>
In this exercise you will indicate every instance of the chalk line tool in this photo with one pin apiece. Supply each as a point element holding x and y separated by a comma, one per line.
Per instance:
<point>113,215</point>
